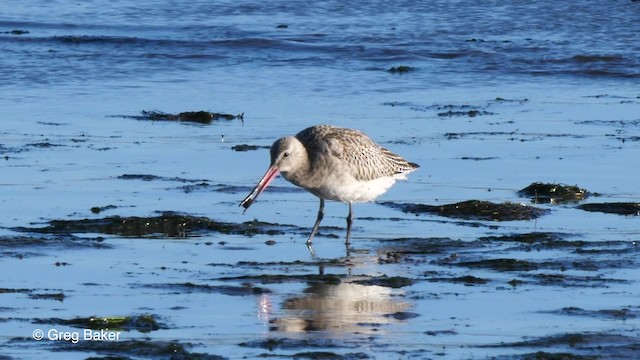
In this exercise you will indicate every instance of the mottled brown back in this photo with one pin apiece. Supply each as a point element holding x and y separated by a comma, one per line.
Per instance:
<point>365,159</point>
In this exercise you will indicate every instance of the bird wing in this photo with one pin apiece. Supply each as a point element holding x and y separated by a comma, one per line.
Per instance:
<point>362,157</point>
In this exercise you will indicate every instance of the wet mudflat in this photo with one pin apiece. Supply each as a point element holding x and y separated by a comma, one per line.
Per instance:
<point>121,234</point>
<point>171,267</point>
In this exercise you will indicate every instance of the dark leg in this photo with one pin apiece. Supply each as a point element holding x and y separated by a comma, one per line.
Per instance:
<point>317,224</point>
<point>349,222</point>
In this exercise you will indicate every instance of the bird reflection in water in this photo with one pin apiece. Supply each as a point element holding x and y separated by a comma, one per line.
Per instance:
<point>344,307</point>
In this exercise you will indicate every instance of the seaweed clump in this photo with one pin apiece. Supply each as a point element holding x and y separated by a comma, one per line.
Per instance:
<point>402,69</point>
<point>476,210</point>
<point>168,224</point>
<point>619,208</point>
<point>141,323</point>
<point>201,117</point>
<point>553,193</point>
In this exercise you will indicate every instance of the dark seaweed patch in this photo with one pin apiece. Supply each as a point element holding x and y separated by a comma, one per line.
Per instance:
<point>508,264</point>
<point>150,177</point>
<point>322,355</point>
<point>392,282</point>
<point>328,279</point>
<point>402,69</point>
<point>36,294</point>
<point>293,344</point>
<point>195,187</point>
<point>564,280</point>
<point>397,250</point>
<point>542,355</point>
<point>528,238</point>
<point>245,147</point>
<point>402,315</point>
<point>501,264</point>
<point>163,350</point>
<point>222,188</point>
<point>14,291</point>
<point>619,208</point>
<point>24,246</point>
<point>468,280</point>
<point>617,314</point>
<point>604,345</point>
<point>245,289</point>
<point>99,209</point>
<point>201,117</point>
<point>475,210</point>
<point>392,251</point>
<point>553,193</point>
<point>168,224</point>
<point>141,323</point>
<point>544,240</point>
<point>503,100</point>
<point>475,158</point>
<point>15,32</point>
<point>469,113</point>
<point>58,296</point>
<point>43,145</point>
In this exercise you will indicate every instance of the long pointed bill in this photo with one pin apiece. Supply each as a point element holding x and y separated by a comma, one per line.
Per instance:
<point>271,173</point>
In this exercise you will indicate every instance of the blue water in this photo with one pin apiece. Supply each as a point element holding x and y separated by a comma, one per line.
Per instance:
<point>450,43</point>
<point>570,70</point>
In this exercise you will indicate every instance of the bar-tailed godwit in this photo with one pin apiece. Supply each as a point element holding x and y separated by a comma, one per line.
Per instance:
<point>334,164</point>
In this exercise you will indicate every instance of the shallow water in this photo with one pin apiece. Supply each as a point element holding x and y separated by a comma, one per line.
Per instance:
<point>490,106</point>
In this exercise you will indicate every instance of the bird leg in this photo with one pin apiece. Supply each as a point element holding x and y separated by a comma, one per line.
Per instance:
<point>349,222</point>
<point>317,224</point>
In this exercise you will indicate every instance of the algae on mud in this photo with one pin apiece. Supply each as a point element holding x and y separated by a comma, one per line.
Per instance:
<point>169,224</point>
<point>188,287</point>
<point>201,117</point>
<point>402,69</point>
<point>619,208</point>
<point>146,348</point>
<point>475,210</point>
<point>142,323</point>
<point>246,147</point>
<point>553,193</point>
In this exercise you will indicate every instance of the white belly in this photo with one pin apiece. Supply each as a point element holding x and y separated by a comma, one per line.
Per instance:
<point>348,190</point>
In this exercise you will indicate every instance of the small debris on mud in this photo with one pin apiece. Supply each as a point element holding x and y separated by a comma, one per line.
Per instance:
<point>150,177</point>
<point>59,296</point>
<point>468,280</point>
<point>201,117</point>
<point>553,193</point>
<point>503,100</point>
<point>624,313</point>
<point>475,210</point>
<point>620,208</point>
<point>469,113</point>
<point>402,69</point>
<point>99,209</point>
<point>402,315</point>
<point>245,147</point>
<point>394,282</point>
<point>15,32</point>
